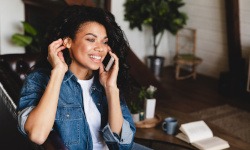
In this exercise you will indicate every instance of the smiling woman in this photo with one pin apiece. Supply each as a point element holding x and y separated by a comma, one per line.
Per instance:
<point>73,94</point>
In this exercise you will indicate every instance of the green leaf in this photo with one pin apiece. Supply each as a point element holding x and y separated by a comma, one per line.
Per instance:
<point>21,40</point>
<point>28,28</point>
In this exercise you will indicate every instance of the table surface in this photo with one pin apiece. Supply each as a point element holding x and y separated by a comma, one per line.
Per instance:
<point>157,134</point>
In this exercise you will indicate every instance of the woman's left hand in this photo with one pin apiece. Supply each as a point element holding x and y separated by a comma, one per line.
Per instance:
<point>108,79</point>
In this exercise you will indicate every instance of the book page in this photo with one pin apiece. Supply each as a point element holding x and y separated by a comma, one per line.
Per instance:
<point>213,143</point>
<point>183,137</point>
<point>196,131</point>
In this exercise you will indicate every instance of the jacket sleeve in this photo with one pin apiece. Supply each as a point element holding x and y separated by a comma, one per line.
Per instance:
<point>22,117</point>
<point>32,90</point>
<point>30,95</point>
<point>125,140</point>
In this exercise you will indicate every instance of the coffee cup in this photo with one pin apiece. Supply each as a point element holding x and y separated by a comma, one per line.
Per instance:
<point>169,125</point>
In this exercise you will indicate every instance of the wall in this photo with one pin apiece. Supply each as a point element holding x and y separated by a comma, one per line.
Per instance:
<point>11,15</point>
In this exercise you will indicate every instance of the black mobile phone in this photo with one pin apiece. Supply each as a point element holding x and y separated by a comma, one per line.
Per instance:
<point>108,62</point>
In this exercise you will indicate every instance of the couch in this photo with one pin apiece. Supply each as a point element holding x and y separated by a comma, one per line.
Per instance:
<point>13,70</point>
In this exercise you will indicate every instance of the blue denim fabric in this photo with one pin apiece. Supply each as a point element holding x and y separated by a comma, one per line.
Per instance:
<point>137,146</point>
<point>70,120</point>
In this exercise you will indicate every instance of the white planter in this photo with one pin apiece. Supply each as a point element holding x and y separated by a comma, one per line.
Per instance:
<point>149,108</point>
<point>136,117</point>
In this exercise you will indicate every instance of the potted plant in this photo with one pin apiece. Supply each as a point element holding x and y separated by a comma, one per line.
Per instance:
<point>31,39</point>
<point>135,110</point>
<point>161,15</point>
<point>147,94</point>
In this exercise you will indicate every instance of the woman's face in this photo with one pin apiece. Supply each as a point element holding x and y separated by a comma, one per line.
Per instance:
<point>89,47</point>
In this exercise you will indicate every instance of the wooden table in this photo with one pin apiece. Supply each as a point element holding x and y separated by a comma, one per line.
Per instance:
<point>157,134</point>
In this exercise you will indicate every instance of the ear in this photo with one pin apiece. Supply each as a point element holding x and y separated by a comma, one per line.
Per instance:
<point>67,42</point>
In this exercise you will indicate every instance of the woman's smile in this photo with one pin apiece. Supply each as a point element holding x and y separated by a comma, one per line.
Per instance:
<point>89,47</point>
<point>95,58</point>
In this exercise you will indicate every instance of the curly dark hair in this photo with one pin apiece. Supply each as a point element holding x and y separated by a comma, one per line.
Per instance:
<point>67,24</point>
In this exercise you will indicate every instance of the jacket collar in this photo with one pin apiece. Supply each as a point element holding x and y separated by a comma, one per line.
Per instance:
<point>96,84</point>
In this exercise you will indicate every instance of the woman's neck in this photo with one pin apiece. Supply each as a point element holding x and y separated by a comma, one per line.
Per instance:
<point>81,73</point>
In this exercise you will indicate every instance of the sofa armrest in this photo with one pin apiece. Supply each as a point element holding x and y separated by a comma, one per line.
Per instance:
<point>53,142</point>
<point>10,82</point>
<point>8,101</point>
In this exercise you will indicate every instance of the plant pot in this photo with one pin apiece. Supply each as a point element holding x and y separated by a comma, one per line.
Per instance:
<point>155,63</point>
<point>136,117</point>
<point>149,108</point>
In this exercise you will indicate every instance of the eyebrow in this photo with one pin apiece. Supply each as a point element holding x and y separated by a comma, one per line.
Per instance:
<point>96,35</point>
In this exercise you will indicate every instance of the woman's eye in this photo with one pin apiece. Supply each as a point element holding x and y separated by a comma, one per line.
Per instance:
<point>106,42</point>
<point>91,40</point>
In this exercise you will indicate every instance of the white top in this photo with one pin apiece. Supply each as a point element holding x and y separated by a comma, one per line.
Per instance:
<point>93,115</point>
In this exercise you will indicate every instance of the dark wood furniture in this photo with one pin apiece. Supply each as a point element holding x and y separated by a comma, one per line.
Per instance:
<point>234,81</point>
<point>156,134</point>
<point>40,13</point>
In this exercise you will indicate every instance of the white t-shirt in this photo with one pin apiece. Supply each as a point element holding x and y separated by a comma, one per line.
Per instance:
<point>93,115</point>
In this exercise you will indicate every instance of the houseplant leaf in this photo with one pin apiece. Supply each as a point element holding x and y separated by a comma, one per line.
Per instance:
<point>21,40</point>
<point>30,39</point>
<point>29,29</point>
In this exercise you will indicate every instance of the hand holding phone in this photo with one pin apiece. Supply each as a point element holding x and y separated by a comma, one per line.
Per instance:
<point>108,62</point>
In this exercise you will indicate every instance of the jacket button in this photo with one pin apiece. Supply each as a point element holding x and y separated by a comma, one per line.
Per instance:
<point>67,115</point>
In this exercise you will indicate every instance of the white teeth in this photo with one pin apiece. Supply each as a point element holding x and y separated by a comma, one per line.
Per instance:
<point>95,57</point>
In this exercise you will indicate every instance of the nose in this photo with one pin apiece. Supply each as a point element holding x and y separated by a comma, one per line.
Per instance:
<point>100,47</point>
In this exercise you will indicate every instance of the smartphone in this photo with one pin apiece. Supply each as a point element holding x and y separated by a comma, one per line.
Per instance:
<point>108,62</point>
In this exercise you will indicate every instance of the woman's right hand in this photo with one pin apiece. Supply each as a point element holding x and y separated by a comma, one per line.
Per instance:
<point>55,55</point>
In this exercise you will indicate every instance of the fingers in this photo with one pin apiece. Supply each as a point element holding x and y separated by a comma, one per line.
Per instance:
<point>56,46</point>
<point>55,49</point>
<point>55,55</point>
<point>60,55</point>
<point>101,69</point>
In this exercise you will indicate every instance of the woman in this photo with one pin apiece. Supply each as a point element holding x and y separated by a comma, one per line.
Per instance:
<point>70,92</point>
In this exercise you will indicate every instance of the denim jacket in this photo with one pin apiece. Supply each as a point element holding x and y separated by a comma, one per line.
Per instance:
<point>70,121</point>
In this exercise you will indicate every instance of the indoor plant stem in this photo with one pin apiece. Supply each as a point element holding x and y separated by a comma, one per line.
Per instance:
<point>157,44</point>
